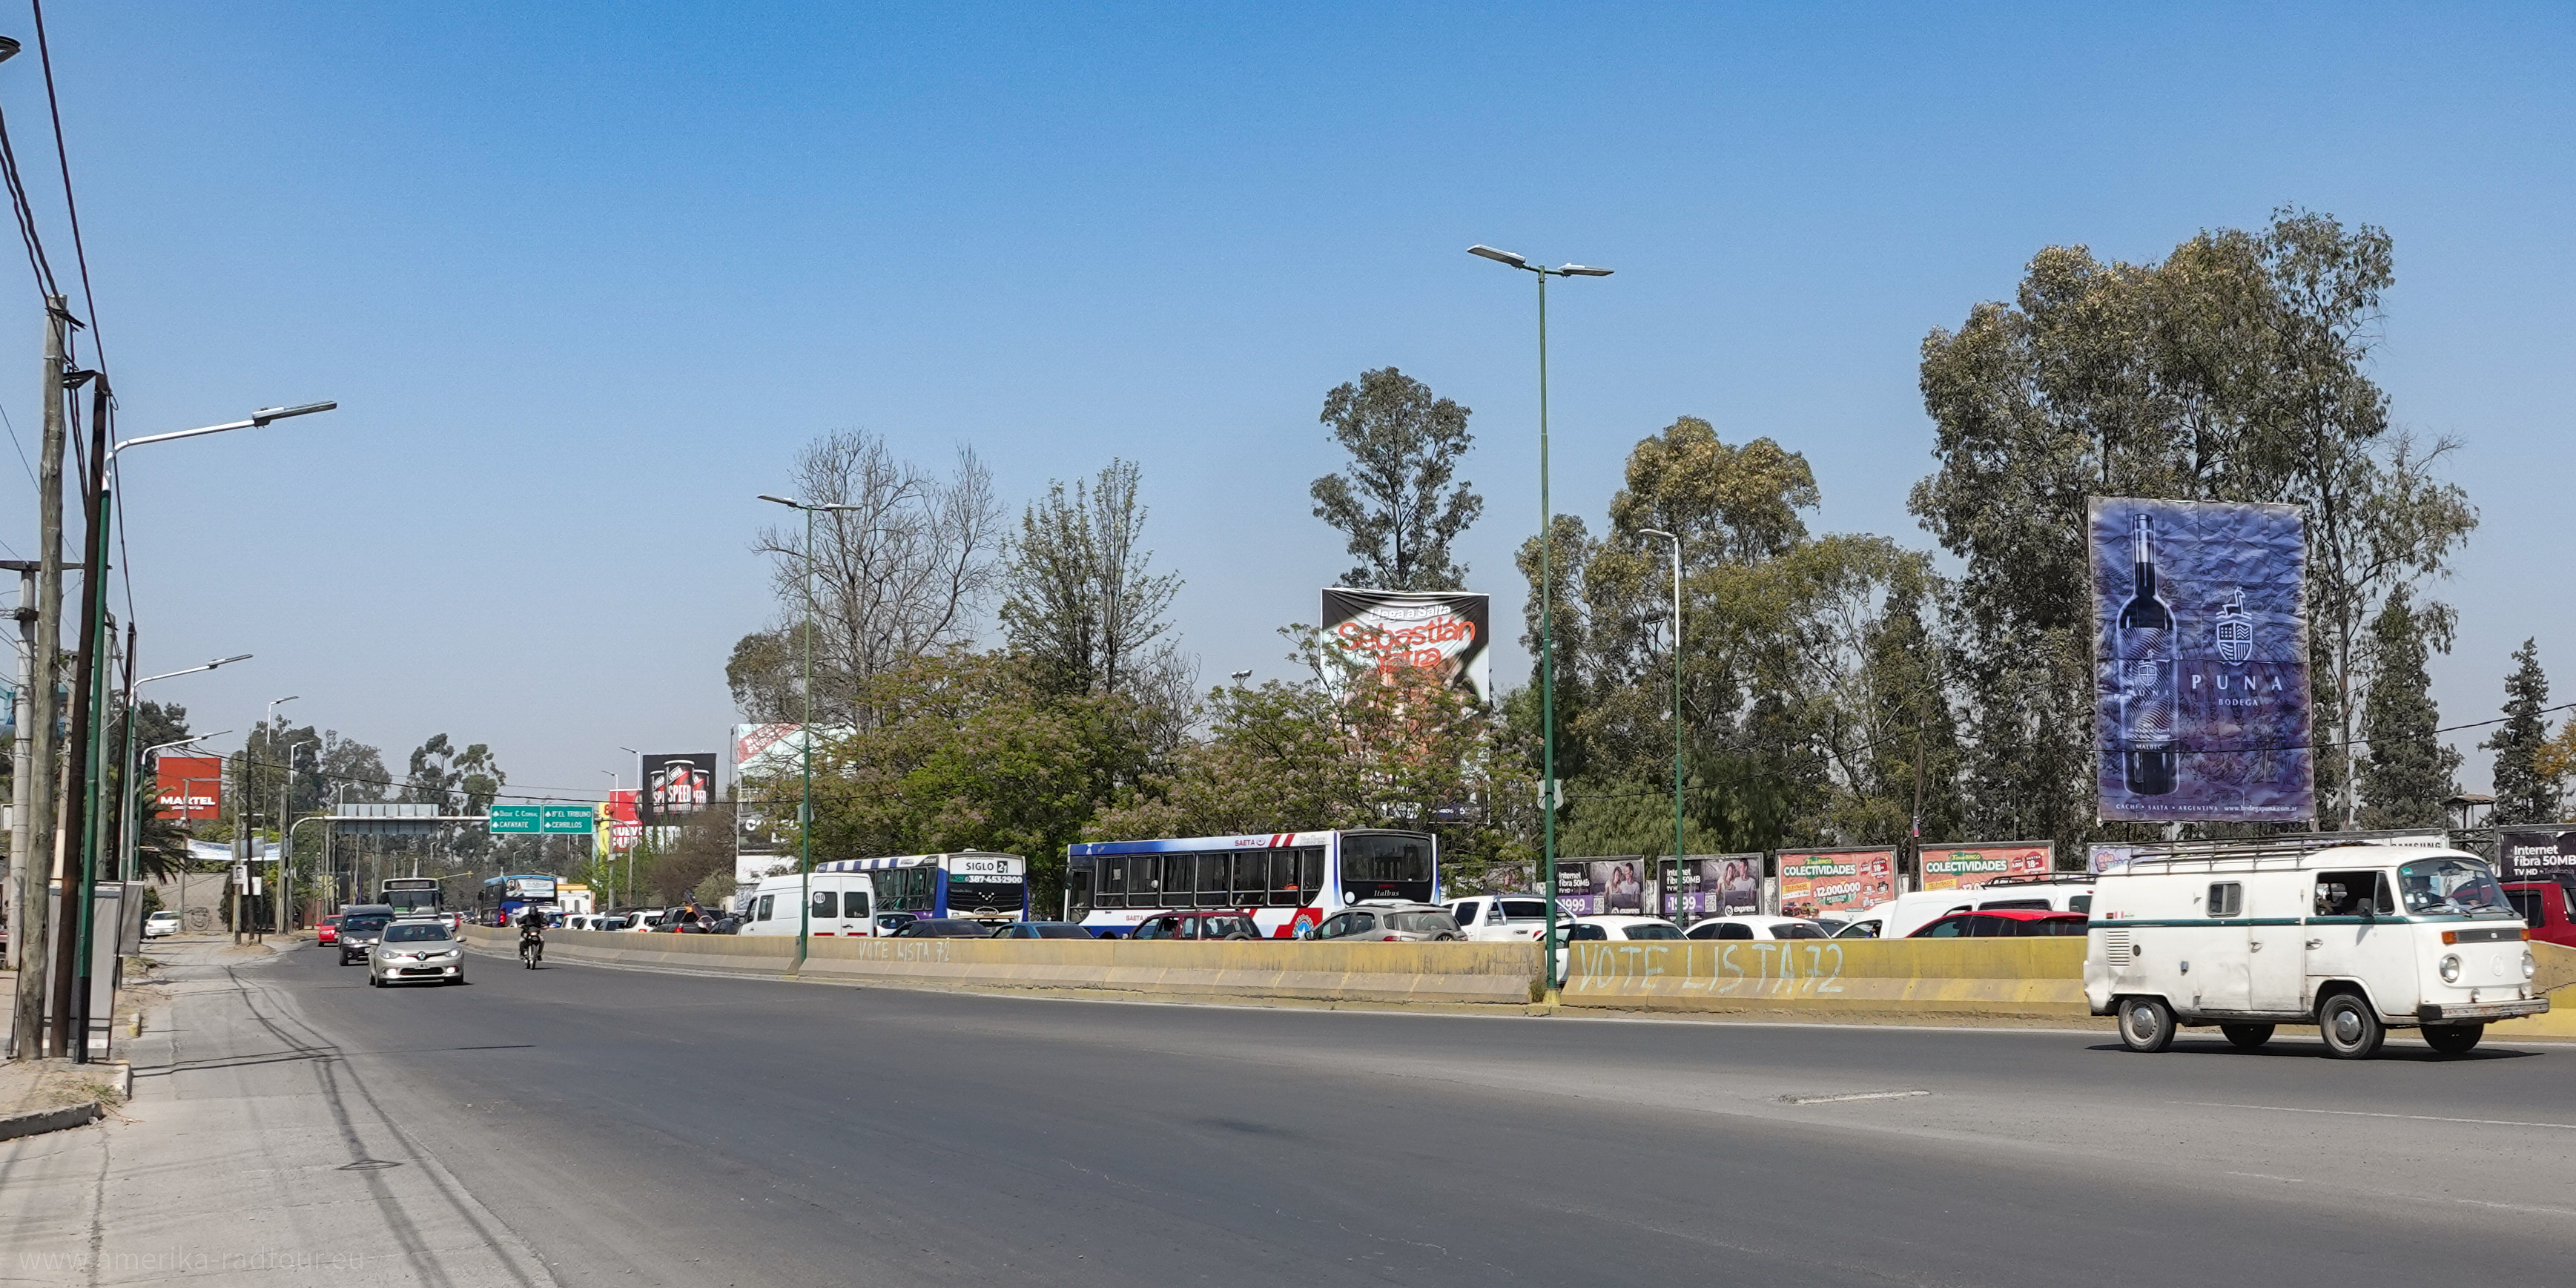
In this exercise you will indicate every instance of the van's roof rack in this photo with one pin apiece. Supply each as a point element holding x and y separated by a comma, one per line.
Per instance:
<point>2285,845</point>
<point>2052,878</point>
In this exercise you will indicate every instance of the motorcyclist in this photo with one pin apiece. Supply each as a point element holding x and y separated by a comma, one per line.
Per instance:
<point>532,932</point>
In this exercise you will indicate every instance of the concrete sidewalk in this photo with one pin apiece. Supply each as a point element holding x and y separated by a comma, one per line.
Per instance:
<point>251,1152</point>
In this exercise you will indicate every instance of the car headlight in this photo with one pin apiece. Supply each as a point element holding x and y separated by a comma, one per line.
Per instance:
<point>2451,968</point>
<point>2530,964</point>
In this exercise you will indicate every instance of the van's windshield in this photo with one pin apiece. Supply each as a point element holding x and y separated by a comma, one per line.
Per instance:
<point>2452,885</point>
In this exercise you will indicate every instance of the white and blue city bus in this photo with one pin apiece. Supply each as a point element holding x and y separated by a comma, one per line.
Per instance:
<point>503,898</point>
<point>1288,881</point>
<point>975,884</point>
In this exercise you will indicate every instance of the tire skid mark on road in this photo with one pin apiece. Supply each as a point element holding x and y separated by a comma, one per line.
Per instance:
<point>331,1073</point>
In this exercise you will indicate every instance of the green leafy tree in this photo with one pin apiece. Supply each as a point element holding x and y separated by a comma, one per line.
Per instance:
<point>1395,503</point>
<point>2524,792</point>
<point>2233,370</point>
<point>2408,771</point>
<point>1080,599</point>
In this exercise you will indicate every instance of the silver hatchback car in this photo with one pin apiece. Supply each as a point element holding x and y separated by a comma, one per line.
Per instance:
<point>1391,922</point>
<point>417,952</point>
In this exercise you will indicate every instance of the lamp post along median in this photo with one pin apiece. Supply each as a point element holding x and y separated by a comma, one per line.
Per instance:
<point>805,735</point>
<point>1550,793</point>
<point>1677,697</point>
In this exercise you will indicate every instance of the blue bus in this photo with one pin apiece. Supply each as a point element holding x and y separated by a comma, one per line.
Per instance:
<point>974,884</point>
<point>503,898</point>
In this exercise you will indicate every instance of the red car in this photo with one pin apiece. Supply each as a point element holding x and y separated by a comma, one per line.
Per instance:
<point>2544,908</point>
<point>2004,923</point>
<point>328,929</point>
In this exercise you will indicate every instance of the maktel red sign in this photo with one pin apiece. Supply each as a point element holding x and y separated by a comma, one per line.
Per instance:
<point>191,787</point>
<point>1443,632</point>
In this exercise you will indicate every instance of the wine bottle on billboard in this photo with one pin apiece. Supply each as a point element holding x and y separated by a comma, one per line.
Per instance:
<point>2148,687</point>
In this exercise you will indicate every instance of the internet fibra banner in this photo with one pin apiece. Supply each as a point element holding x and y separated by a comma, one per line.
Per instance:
<point>2200,649</point>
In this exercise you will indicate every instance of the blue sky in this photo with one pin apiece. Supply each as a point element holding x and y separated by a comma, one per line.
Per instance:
<point>584,278</point>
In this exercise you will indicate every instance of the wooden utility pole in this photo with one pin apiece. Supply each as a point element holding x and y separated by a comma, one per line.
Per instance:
<point>28,1016</point>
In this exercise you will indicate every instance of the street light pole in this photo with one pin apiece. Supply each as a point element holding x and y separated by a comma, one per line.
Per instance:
<point>127,849</point>
<point>805,736</point>
<point>1548,791</point>
<point>611,856</point>
<point>286,831</point>
<point>629,890</point>
<point>1677,696</point>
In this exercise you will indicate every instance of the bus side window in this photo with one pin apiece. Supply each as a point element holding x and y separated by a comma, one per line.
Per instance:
<point>1109,887</point>
<point>1310,871</point>
<point>1251,876</point>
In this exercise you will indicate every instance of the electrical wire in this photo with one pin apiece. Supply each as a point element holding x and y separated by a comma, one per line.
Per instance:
<point>20,444</point>
<point>45,55</point>
<point>37,264</point>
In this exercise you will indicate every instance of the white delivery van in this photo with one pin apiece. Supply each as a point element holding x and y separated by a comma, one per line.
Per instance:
<point>1907,913</point>
<point>2355,939</point>
<point>843,904</point>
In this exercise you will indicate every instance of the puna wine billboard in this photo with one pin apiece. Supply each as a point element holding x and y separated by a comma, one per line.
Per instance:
<point>2200,648</point>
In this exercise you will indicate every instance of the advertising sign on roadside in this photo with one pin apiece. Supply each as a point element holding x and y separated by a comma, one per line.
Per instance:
<point>192,787</point>
<point>2200,647</point>
<point>1712,885</point>
<point>676,785</point>
<point>1599,887</point>
<point>1830,882</point>
<point>1953,867</point>
<point>1443,631</point>
<point>2536,854</point>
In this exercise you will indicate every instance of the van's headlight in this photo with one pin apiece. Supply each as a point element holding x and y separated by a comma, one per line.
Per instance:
<point>2530,964</point>
<point>2451,968</point>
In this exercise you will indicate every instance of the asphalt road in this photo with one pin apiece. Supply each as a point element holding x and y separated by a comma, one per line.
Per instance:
<point>645,1128</point>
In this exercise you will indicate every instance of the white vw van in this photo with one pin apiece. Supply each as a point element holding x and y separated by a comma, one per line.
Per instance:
<point>2355,939</point>
<point>843,904</point>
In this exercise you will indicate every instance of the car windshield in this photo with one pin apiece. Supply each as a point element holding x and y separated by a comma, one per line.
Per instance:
<point>415,932</point>
<point>1653,930</point>
<point>1058,930</point>
<point>363,925</point>
<point>2452,885</point>
<point>1798,930</point>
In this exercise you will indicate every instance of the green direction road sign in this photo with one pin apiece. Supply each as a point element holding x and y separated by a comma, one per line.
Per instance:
<point>567,819</point>
<point>509,820</point>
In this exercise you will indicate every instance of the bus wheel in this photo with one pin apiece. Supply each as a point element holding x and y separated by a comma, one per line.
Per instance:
<point>2247,1037</point>
<point>2350,1030</point>
<point>2146,1024</point>
<point>2453,1039</point>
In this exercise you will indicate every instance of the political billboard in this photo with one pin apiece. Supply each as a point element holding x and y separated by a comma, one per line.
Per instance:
<point>1380,630</point>
<point>1598,887</point>
<point>191,787</point>
<point>1835,882</point>
<point>676,785</point>
<point>2200,647</point>
<point>1712,885</point>
<point>2536,854</point>
<point>1955,867</point>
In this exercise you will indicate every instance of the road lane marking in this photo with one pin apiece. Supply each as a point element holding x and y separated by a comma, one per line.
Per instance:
<point>2358,1113</point>
<point>1851,1095</point>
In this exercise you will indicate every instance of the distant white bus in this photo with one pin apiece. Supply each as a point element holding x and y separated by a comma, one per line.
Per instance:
<point>978,885</point>
<point>1288,881</point>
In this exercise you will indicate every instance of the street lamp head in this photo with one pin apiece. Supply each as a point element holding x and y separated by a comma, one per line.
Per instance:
<point>1582,270</point>
<point>267,414</point>
<point>1499,256</point>
<point>227,661</point>
<point>8,48</point>
<point>792,505</point>
<point>1659,532</point>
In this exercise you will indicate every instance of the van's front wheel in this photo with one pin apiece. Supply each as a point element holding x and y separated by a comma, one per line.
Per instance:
<point>2453,1039</point>
<point>2146,1024</point>
<point>2247,1037</point>
<point>2350,1030</point>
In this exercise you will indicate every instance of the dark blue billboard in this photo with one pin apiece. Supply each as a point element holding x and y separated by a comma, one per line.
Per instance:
<point>2200,650</point>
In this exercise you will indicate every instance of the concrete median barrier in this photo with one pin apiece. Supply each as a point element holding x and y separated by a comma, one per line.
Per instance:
<point>1856,978</point>
<point>2557,978</point>
<point>1449,974</point>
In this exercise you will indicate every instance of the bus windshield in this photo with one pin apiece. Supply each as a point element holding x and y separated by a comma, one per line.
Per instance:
<point>1387,866</point>
<point>2453,885</point>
